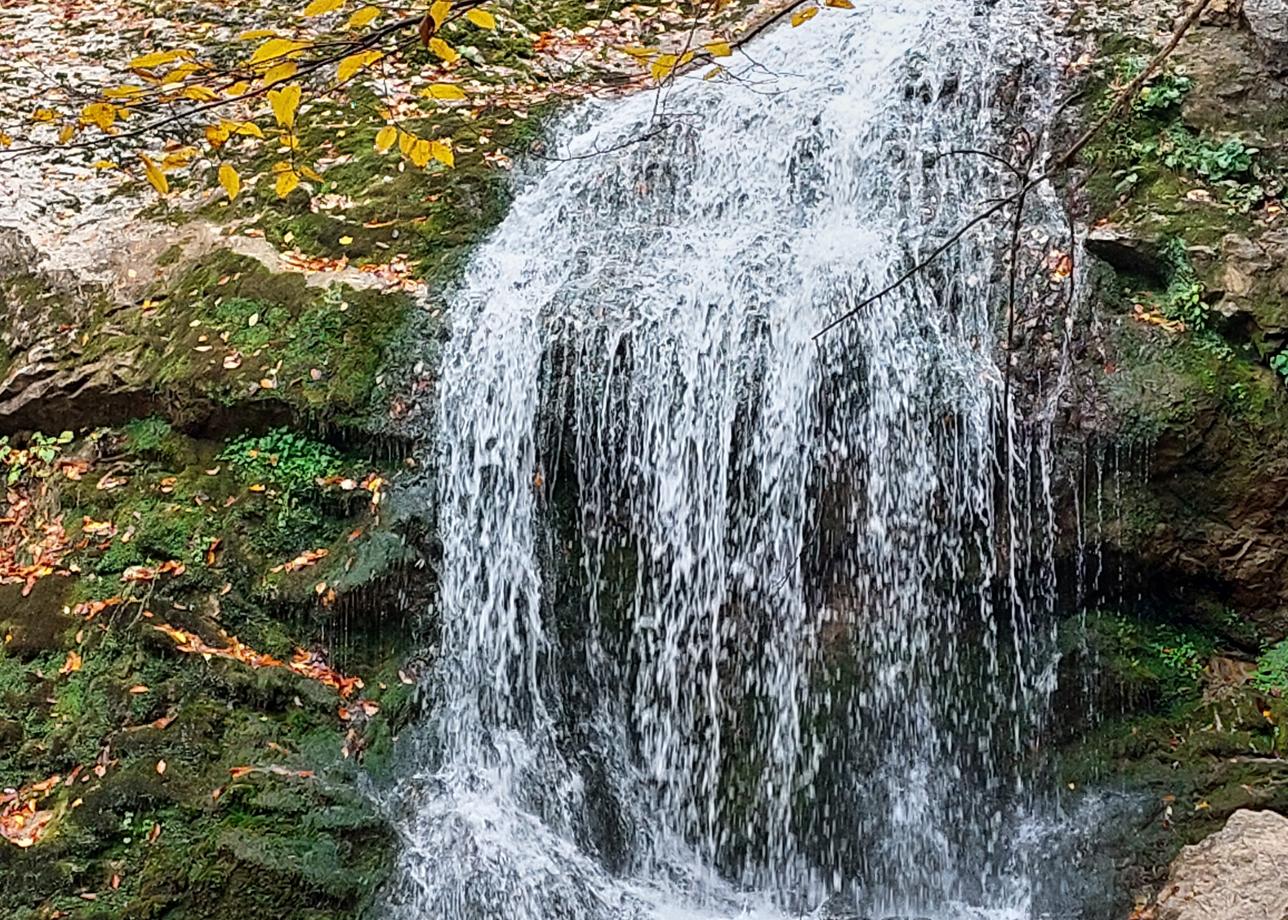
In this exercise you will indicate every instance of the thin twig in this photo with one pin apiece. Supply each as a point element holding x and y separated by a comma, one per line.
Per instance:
<point>1054,166</point>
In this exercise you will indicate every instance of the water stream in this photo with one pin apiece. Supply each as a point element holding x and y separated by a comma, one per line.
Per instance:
<point>732,622</point>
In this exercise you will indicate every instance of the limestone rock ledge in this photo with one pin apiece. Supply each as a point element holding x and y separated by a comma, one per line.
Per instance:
<point>1238,873</point>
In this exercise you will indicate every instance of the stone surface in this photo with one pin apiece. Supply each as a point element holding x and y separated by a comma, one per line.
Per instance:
<point>1268,20</point>
<point>1239,873</point>
<point>1125,251</point>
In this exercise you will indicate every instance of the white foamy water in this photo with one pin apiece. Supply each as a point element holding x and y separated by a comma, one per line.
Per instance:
<point>732,623</point>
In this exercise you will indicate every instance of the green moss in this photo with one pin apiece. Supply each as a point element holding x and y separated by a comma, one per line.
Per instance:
<point>1272,669</point>
<point>1152,660</point>
<point>230,332</point>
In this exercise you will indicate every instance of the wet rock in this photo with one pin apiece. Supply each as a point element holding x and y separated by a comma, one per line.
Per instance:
<point>1253,276</point>
<point>1126,252</point>
<point>1239,873</point>
<point>1268,20</point>
<point>1235,90</point>
<point>50,378</point>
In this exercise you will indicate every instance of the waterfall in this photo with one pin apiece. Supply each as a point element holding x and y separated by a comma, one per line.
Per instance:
<point>735,621</point>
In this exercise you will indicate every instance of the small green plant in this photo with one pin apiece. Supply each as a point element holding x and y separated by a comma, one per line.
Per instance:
<point>1179,653</point>
<point>289,461</point>
<point>1171,658</point>
<point>36,459</point>
<point>1279,364</point>
<point>1272,669</point>
<point>1183,298</point>
<point>1182,149</point>
<point>1163,93</point>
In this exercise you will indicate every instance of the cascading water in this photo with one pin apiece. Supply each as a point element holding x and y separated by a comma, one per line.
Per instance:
<point>732,618</point>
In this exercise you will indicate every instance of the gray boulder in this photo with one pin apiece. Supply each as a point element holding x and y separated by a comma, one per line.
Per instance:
<point>1238,873</point>
<point>1268,20</point>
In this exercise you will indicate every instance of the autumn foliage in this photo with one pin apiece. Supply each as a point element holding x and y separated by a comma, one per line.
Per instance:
<point>212,112</point>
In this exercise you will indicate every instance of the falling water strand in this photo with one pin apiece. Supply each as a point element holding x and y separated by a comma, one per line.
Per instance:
<point>732,620</point>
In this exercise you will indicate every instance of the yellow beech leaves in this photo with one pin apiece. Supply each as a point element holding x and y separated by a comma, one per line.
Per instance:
<point>443,50</point>
<point>446,91</point>
<point>288,180</point>
<point>439,11</point>
<point>156,178</point>
<point>284,102</point>
<point>363,17</point>
<point>385,138</point>
<point>230,181</point>
<point>350,66</point>
<point>321,7</point>
<point>276,48</point>
<point>191,105</point>
<point>102,114</point>
<point>800,17</point>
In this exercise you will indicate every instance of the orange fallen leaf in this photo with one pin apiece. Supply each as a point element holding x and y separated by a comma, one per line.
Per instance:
<point>72,664</point>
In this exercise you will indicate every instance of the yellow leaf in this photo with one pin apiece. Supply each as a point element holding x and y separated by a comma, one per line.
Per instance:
<point>420,153</point>
<point>405,142</point>
<point>346,240</point>
<point>284,102</point>
<point>286,183</point>
<point>662,66</point>
<point>320,7</point>
<point>443,50</point>
<point>179,74</point>
<point>839,4</point>
<point>200,94</point>
<point>481,18</point>
<point>275,48</point>
<point>249,129</point>
<point>44,115</point>
<point>355,62</point>
<point>685,58</point>
<point>231,182</point>
<point>364,17</point>
<point>639,53</point>
<point>105,164</point>
<point>308,172</point>
<point>288,141</point>
<point>279,73</point>
<point>177,159</point>
<point>102,114</point>
<point>438,11</point>
<point>718,49</point>
<point>122,92</point>
<point>256,34</point>
<point>713,73</point>
<point>155,176</point>
<point>6,140</point>
<point>803,16</point>
<point>66,133</point>
<point>385,138</point>
<point>217,135</point>
<point>444,91</point>
<point>157,58</point>
<point>240,88</point>
<point>442,151</point>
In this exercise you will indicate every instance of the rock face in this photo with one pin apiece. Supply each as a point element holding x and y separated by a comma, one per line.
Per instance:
<point>1240,873</point>
<point>1268,20</point>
